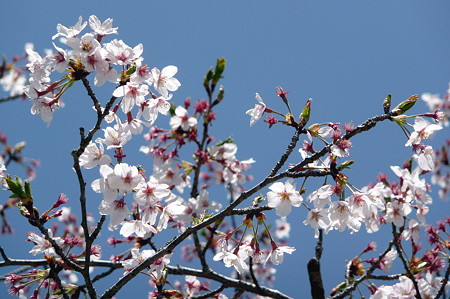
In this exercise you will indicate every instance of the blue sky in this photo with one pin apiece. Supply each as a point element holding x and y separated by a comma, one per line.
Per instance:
<point>346,55</point>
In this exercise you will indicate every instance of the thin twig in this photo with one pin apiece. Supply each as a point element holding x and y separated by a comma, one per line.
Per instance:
<point>227,282</point>
<point>209,295</point>
<point>10,98</point>
<point>369,272</point>
<point>405,263</point>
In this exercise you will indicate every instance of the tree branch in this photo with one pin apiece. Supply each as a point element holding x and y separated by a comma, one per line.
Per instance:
<point>227,282</point>
<point>369,272</point>
<point>314,273</point>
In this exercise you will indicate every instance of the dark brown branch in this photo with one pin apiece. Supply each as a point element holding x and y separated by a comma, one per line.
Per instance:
<point>209,295</point>
<point>200,252</point>
<point>369,272</point>
<point>314,273</point>
<point>385,277</point>
<point>11,98</point>
<point>252,273</point>
<point>443,283</point>
<point>44,262</point>
<point>288,151</point>
<point>397,245</point>
<point>227,282</point>
<point>54,271</point>
<point>84,142</point>
<point>365,126</point>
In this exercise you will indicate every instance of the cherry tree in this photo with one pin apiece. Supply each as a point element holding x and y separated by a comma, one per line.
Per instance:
<point>176,197</point>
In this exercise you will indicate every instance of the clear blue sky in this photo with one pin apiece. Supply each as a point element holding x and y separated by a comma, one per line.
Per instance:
<point>346,55</point>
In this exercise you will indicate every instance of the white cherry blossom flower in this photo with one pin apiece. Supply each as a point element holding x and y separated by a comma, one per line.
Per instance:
<point>94,156</point>
<point>282,228</point>
<point>318,218</point>
<point>102,29</point>
<point>72,31</point>
<point>396,211</point>
<point>232,260</point>
<point>102,75</point>
<point>425,158</point>
<point>276,256</point>
<point>39,68</point>
<point>44,107</point>
<point>96,61</point>
<point>151,191</point>
<point>181,119</point>
<point>283,196</point>
<point>132,94</point>
<point>386,262</point>
<point>117,210</point>
<point>13,81</point>
<point>42,245</point>
<point>121,54</point>
<point>163,81</point>
<point>404,289</point>
<point>225,151</point>
<point>422,130</point>
<point>149,109</point>
<point>257,111</point>
<point>137,258</point>
<point>125,178</point>
<point>137,227</point>
<point>59,60</point>
<point>341,148</point>
<point>101,185</point>
<point>156,269</point>
<point>202,203</point>
<point>115,138</point>
<point>321,197</point>
<point>172,210</point>
<point>84,46</point>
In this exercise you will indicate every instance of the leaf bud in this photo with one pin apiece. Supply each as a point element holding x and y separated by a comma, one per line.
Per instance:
<point>387,103</point>
<point>304,116</point>
<point>405,105</point>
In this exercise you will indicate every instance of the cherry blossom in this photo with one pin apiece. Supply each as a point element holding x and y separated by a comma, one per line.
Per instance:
<point>321,197</point>
<point>181,119</point>
<point>94,156</point>
<point>422,130</point>
<point>276,256</point>
<point>13,82</point>
<point>138,227</point>
<point>282,228</point>
<point>257,111</point>
<point>121,54</point>
<point>318,218</point>
<point>117,210</point>
<point>283,196</point>
<point>72,31</point>
<point>102,29</point>
<point>84,46</point>
<point>231,259</point>
<point>137,258</point>
<point>115,138</point>
<point>44,107</point>
<point>151,191</point>
<point>101,185</point>
<point>42,245</point>
<point>132,94</point>
<point>164,80</point>
<point>158,266</point>
<point>125,178</point>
